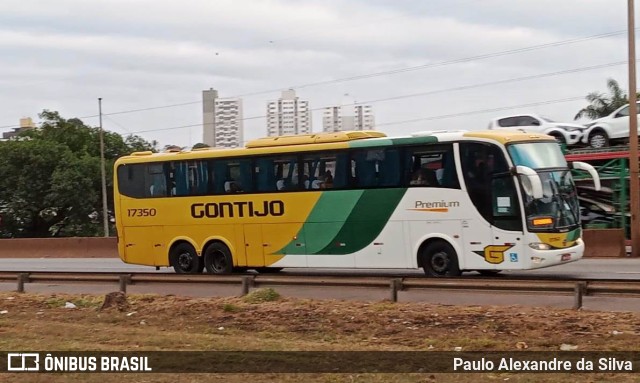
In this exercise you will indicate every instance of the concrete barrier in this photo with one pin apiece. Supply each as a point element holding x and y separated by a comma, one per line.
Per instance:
<point>604,243</point>
<point>73,247</point>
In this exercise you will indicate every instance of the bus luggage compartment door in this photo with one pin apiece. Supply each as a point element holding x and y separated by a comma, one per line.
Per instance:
<point>142,246</point>
<point>266,244</point>
<point>253,245</point>
<point>284,243</point>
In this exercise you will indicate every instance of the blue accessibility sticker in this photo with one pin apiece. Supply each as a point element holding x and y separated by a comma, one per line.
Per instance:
<point>514,257</point>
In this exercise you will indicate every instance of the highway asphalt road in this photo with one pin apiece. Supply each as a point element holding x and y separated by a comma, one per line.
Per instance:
<point>587,268</point>
<point>618,268</point>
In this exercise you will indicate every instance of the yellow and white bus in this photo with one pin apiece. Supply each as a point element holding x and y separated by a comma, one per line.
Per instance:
<point>445,201</point>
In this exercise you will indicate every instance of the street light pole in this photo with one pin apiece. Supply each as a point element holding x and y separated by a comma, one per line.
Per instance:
<point>634,186</point>
<point>105,215</point>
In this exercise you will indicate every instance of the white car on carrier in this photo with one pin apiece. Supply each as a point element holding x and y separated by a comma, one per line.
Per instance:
<point>568,133</point>
<point>606,130</point>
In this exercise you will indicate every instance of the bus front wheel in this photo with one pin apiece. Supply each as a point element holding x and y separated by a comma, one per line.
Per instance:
<point>184,259</point>
<point>439,259</point>
<point>217,259</point>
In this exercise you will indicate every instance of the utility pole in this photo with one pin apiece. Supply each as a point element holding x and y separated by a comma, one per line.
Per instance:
<point>634,186</point>
<point>105,214</point>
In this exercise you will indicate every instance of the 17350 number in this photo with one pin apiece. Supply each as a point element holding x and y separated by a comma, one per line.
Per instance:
<point>141,212</point>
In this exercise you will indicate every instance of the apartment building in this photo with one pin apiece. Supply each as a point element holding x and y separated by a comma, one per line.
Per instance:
<point>350,117</point>
<point>222,120</point>
<point>288,115</point>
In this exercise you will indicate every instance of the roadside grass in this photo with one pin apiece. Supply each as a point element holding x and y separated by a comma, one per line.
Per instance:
<point>269,322</point>
<point>262,295</point>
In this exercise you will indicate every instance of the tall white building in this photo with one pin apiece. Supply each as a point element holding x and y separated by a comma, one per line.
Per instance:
<point>353,117</point>
<point>222,123</point>
<point>288,115</point>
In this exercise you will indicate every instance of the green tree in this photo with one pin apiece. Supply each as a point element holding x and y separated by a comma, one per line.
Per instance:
<point>601,105</point>
<point>170,147</point>
<point>50,181</point>
<point>200,145</point>
<point>139,144</point>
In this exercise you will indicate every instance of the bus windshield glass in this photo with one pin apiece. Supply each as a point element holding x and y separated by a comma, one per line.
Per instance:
<point>558,208</point>
<point>537,155</point>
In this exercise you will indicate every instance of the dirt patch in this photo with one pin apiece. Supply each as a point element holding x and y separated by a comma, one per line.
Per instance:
<point>150,322</point>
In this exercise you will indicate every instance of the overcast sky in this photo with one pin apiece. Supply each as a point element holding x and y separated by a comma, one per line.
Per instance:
<point>461,62</point>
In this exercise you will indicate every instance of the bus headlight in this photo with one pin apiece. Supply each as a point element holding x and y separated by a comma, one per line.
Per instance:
<point>539,246</point>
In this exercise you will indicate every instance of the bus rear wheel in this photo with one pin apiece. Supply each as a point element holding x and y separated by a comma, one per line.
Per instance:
<point>439,259</point>
<point>217,259</point>
<point>185,260</point>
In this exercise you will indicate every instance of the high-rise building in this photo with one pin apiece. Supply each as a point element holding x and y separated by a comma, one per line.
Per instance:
<point>222,123</point>
<point>342,118</point>
<point>288,115</point>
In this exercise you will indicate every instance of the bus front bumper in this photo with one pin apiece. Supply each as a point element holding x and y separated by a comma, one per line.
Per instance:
<point>546,258</point>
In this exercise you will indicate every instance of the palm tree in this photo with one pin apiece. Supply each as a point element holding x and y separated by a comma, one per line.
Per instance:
<point>603,105</point>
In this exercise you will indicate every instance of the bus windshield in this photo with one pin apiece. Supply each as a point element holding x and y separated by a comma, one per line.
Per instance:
<point>537,155</point>
<point>559,207</point>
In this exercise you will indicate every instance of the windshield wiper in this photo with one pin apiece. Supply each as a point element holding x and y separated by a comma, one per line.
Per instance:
<point>561,199</point>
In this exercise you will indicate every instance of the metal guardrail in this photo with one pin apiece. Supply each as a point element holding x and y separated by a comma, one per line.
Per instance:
<point>577,288</point>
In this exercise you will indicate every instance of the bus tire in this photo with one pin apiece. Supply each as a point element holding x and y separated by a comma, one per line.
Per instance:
<point>217,259</point>
<point>184,259</point>
<point>439,259</point>
<point>268,270</point>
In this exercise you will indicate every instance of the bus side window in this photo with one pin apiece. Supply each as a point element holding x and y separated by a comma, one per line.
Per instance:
<point>265,175</point>
<point>286,174</point>
<point>181,178</point>
<point>245,176</point>
<point>158,180</point>
<point>198,177</point>
<point>389,168</point>
<point>431,166</point>
<point>340,174</point>
<point>276,173</point>
<point>221,171</point>
<point>364,169</point>
<point>324,171</point>
<point>131,180</point>
<point>448,175</point>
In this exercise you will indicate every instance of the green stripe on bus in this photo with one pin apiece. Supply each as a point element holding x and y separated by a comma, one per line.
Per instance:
<point>325,221</point>
<point>366,221</point>
<point>393,141</point>
<point>414,140</point>
<point>372,142</point>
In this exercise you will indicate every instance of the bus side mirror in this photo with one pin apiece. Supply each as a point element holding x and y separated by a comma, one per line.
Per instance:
<point>590,169</point>
<point>530,181</point>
